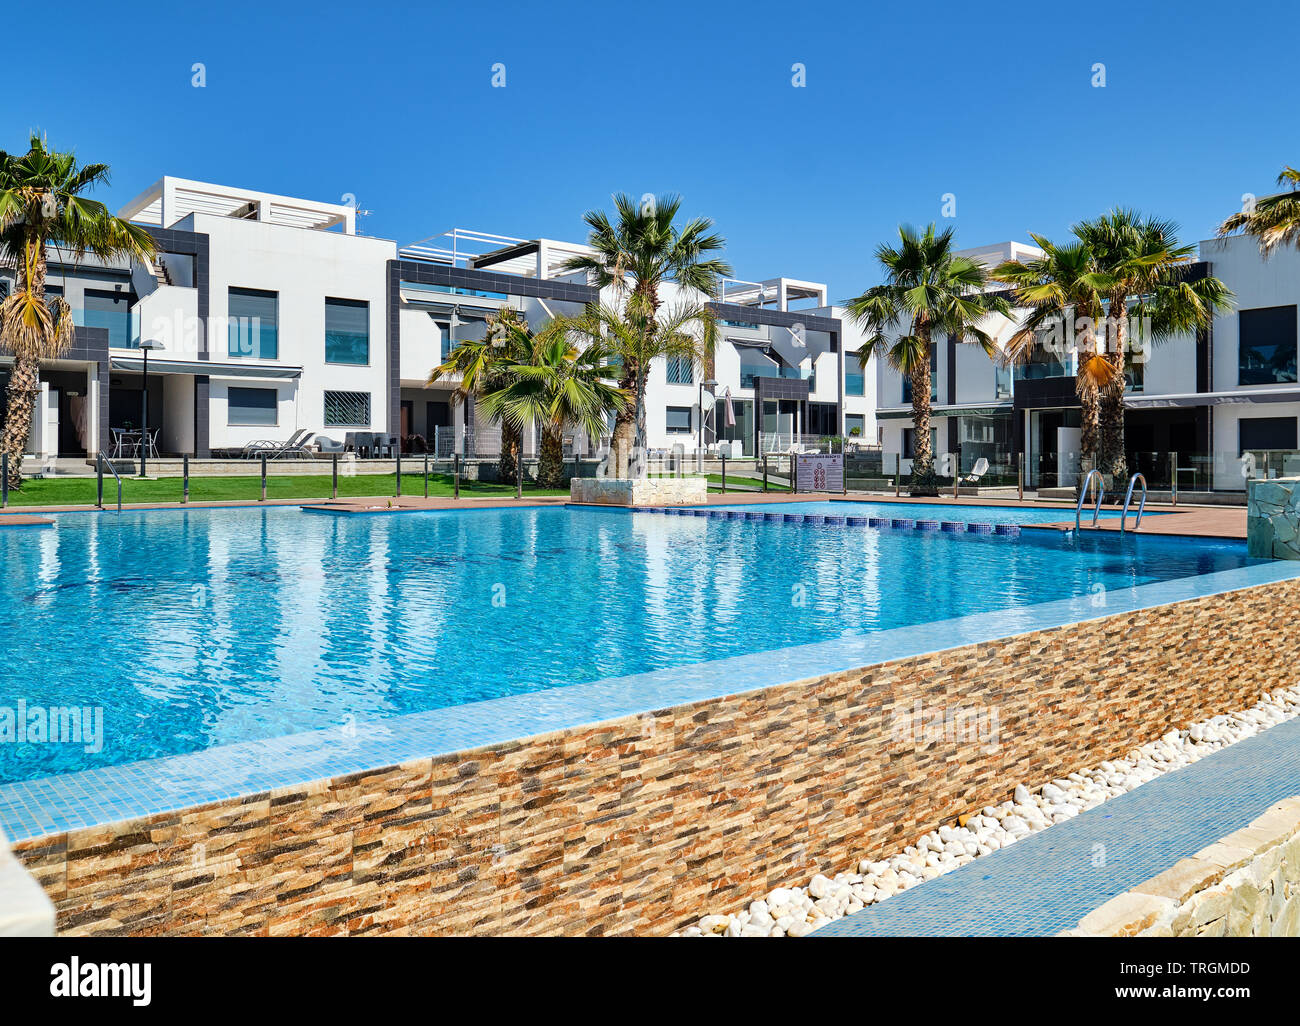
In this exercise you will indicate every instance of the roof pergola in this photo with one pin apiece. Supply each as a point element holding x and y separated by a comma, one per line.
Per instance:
<point>170,200</point>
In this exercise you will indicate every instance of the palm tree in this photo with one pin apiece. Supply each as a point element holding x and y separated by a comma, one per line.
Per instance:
<point>41,205</point>
<point>636,255</point>
<point>685,330</point>
<point>1146,264</point>
<point>1064,291</point>
<point>1273,220</point>
<point>560,384</point>
<point>482,366</point>
<point>928,290</point>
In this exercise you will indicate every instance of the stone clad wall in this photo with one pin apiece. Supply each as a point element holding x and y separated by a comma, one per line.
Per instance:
<point>1273,518</point>
<point>643,491</point>
<point>1246,885</point>
<point>641,824</point>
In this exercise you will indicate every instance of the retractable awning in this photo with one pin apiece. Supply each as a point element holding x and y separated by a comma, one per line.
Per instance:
<point>1002,409</point>
<point>1186,399</point>
<point>211,368</point>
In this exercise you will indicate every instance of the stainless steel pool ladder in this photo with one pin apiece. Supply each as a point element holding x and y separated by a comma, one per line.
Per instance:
<point>102,460</point>
<point>1142,503</point>
<point>1083,494</point>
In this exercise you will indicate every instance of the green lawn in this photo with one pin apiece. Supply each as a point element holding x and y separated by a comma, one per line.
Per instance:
<point>81,491</point>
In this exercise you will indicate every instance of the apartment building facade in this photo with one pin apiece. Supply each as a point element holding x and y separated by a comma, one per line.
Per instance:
<point>1203,408</point>
<point>266,315</point>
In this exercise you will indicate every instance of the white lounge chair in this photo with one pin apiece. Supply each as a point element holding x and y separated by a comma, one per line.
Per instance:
<point>976,472</point>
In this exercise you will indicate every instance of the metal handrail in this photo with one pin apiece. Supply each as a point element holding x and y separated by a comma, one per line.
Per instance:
<point>1083,494</point>
<point>1142,503</point>
<point>103,458</point>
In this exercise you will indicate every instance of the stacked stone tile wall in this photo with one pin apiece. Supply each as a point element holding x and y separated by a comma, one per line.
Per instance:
<point>1273,518</point>
<point>645,491</point>
<point>641,824</point>
<point>1246,885</point>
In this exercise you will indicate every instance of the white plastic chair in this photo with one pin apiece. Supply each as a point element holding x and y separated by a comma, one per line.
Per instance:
<point>976,472</point>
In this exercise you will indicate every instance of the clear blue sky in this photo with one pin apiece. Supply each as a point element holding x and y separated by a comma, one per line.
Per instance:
<point>903,103</point>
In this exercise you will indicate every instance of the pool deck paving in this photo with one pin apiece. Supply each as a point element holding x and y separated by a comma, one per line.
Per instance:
<point>1048,881</point>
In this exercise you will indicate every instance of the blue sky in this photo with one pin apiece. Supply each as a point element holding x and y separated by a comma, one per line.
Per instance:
<point>993,104</point>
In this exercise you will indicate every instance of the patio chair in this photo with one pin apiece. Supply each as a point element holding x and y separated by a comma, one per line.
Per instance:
<point>297,445</point>
<point>976,472</point>
<point>325,444</point>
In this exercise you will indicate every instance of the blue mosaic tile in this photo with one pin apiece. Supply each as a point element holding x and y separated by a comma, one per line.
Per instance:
<point>902,522</point>
<point>1048,881</point>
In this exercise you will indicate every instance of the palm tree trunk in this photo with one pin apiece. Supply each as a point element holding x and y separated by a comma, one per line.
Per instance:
<point>1110,458</point>
<point>24,381</point>
<point>550,467</point>
<point>508,462</point>
<point>24,378</point>
<point>624,439</point>
<point>923,479</point>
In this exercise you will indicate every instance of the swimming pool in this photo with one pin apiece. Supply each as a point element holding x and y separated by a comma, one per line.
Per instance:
<point>206,628</point>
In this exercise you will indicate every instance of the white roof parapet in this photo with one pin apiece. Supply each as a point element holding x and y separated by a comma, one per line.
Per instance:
<point>170,200</point>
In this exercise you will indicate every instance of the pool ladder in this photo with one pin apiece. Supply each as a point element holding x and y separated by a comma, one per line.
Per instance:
<point>103,459</point>
<point>1083,494</point>
<point>1142,503</point>
<point>1101,494</point>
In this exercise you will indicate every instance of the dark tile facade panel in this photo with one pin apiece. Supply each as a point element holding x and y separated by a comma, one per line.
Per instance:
<point>780,318</point>
<point>639,825</point>
<point>394,323</point>
<point>195,244</point>
<point>420,273</point>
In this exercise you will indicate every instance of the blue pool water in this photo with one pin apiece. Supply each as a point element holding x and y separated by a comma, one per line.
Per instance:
<point>211,627</point>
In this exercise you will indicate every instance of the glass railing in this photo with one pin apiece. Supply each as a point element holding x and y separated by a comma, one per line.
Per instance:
<point>750,373</point>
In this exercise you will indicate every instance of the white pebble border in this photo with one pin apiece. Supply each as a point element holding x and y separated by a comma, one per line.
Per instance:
<point>796,911</point>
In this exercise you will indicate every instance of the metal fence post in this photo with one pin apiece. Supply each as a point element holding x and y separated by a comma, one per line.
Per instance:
<point>844,470</point>
<point>455,472</point>
<point>426,473</point>
<point>1173,478</point>
<point>185,478</point>
<point>334,479</point>
<point>99,478</point>
<point>724,473</point>
<point>519,474</point>
<point>263,499</point>
<point>1020,476</point>
<point>4,481</point>
<point>399,471</point>
<point>898,475</point>
<point>764,471</point>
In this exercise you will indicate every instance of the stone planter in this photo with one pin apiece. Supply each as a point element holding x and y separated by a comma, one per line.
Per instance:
<point>644,491</point>
<point>1273,518</point>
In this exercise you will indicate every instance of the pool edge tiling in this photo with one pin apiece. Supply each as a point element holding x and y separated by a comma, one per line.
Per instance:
<point>640,821</point>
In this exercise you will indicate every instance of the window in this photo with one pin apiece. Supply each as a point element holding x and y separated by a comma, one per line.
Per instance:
<point>253,328</point>
<point>821,419</point>
<point>909,442</point>
<point>1266,345</point>
<point>855,424</point>
<point>347,331</point>
<point>1001,381</point>
<point>252,406</point>
<point>111,310</point>
<point>1256,433</point>
<point>677,420</point>
<point>681,370</point>
<point>347,409</point>
<point>855,382</point>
